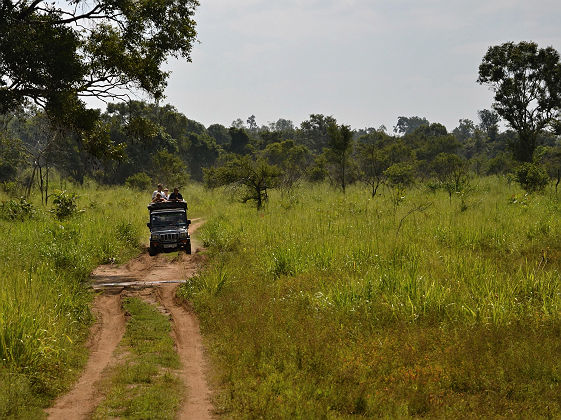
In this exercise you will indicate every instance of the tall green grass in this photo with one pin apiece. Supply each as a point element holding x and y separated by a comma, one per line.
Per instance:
<point>335,305</point>
<point>44,294</point>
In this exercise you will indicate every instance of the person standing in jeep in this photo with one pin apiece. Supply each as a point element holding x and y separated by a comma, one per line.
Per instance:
<point>175,195</point>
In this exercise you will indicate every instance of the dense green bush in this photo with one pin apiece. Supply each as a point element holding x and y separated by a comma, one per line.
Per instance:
<point>64,204</point>
<point>139,181</point>
<point>532,177</point>
<point>16,209</point>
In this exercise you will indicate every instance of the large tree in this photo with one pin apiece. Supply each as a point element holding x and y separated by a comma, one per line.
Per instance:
<point>527,85</point>
<point>56,53</point>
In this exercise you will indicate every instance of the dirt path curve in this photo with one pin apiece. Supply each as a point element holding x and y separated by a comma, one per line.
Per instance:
<point>151,278</point>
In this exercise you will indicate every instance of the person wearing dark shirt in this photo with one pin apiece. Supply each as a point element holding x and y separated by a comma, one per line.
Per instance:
<point>175,195</point>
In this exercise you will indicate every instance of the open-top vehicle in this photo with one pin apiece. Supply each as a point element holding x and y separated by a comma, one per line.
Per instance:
<point>169,227</point>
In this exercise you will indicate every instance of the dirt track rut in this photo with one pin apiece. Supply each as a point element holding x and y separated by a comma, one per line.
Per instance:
<point>154,279</point>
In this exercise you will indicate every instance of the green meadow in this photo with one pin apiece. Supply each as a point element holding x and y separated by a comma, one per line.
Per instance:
<point>321,305</point>
<point>408,304</point>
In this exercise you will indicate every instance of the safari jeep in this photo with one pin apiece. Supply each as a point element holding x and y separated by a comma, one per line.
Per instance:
<point>169,227</point>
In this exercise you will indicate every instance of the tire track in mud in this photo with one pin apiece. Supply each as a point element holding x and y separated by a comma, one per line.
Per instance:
<point>154,279</point>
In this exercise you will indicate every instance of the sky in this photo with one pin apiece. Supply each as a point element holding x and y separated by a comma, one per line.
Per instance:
<point>364,62</point>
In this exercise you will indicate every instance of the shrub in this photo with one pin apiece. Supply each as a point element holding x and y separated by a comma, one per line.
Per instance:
<point>64,204</point>
<point>532,177</point>
<point>139,181</point>
<point>400,174</point>
<point>11,188</point>
<point>16,210</point>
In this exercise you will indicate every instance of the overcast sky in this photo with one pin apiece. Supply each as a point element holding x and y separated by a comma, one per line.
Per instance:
<point>365,62</point>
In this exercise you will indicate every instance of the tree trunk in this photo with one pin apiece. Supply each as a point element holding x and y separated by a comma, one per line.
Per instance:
<point>47,186</point>
<point>28,192</point>
<point>41,183</point>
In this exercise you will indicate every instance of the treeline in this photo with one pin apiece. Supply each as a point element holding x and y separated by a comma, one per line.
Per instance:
<point>139,143</point>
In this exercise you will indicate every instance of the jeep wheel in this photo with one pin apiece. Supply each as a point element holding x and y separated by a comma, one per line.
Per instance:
<point>152,251</point>
<point>188,248</point>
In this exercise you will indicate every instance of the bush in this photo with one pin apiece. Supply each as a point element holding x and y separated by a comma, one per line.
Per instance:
<point>64,204</point>
<point>16,210</point>
<point>400,174</point>
<point>532,177</point>
<point>139,181</point>
<point>11,188</point>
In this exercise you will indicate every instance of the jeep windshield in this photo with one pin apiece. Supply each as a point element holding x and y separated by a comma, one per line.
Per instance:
<point>169,219</point>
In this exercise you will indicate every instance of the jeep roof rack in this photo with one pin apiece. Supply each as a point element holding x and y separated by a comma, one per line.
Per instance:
<point>167,205</point>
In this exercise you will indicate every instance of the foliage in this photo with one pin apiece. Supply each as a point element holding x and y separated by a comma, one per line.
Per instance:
<point>531,177</point>
<point>338,152</point>
<point>527,85</point>
<point>451,172</point>
<point>252,177</point>
<point>407,125</point>
<point>313,132</point>
<point>290,157</point>
<point>400,174</point>
<point>105,46</point>
<point>372,159</point>
<point>169,169</point>
<point>12,156</point>
<point>139,181</point>
<point>64,204</point>
<point>16,209</point>
<point>317,172</point>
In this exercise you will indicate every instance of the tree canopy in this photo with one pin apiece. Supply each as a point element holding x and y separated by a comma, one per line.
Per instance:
<point>55,53</point>
<point>527,85</point>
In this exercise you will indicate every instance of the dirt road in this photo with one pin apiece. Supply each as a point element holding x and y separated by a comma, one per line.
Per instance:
<point>154,279</point>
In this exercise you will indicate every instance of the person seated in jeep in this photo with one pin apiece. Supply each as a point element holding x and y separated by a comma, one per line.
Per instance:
<point>158,191</point>
<point>158,198</point>
<point>175,195</point>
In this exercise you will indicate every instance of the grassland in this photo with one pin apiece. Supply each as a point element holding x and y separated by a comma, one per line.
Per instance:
<point>44,294</point>
<point>327,305</point>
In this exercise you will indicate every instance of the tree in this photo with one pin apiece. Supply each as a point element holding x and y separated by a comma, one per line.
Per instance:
<point>373,159</point>
<point>250,176</point>
<point>169,169</point>
<point>406,125</point>
<point>451,172</point>
<point>527,85</point>
<point>202,151</point>
<point>291,158</point>
<point>464,130</point>
<point>489,123</point>
<point>12,156</point>
<point>313,132</point>
<point>53,53</point>
<point>220,134</point>
<point>252,123</point>
<point>339,151</point>
<point>531,177</point>
<point>239,140</point>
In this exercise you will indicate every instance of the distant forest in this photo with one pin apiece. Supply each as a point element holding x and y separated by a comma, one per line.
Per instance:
<point>142,144</point>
